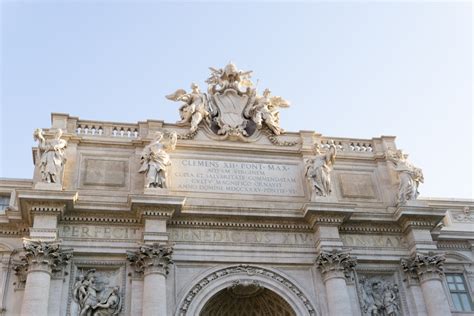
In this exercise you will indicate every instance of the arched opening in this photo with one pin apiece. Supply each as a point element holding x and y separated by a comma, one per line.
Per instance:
<point>223,284</point>
<point>246,299</point>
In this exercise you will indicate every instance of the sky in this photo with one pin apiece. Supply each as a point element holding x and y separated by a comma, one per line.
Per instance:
<point>350,69</point>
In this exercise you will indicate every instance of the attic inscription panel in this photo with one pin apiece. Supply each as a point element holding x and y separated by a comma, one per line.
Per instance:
<point>232,176</point>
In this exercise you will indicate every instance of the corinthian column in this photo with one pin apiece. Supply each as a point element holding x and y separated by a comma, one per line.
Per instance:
<point>335,266</point>
<point>429,270</point>
<point>41,259</point>
<point>154,262</point>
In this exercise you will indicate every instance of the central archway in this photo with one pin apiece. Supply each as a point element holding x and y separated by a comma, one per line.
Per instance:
<point>242,280</point>
<point>246,299</point>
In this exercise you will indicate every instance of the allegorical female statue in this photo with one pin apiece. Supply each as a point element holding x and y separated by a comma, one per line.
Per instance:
<point>318,170</point>
<point>266,110</point>
<point>194,108</point>
<point>155,159</point>
<point>410,176</point>
<point>51,155</point>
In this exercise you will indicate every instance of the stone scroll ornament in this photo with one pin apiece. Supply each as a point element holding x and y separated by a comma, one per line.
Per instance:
<point>379,297</point>
<point>155,159</point>
<point>409,175</point>
<point>231,107</point>
<point>318,170</point>
<point>51,156</point>
<point>94,300</point>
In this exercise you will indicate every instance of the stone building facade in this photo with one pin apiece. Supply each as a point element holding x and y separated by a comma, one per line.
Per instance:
<point>225,213</point>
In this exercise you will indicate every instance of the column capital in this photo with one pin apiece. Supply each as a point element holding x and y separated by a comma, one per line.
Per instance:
<point>424,266</point>
<point>335,264</point>
<point>150,259</point>
<point>44,256</point>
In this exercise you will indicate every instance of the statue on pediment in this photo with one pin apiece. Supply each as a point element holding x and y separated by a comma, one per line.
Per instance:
<point>318,170</point>
<point>231,107</point>
<point>409,175</point>
<point>194,108</point>
<point>156,160</point>
<point>51,156</point>
<point>266,110</point>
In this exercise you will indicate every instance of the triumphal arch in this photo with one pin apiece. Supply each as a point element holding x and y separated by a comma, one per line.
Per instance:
<point>226,213</point>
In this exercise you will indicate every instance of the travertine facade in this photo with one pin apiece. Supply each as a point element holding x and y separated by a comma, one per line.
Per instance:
<point>225,213</point>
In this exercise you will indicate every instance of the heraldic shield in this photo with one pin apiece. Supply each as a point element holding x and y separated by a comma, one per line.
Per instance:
<point>230,112</point>
<point>231,107</point>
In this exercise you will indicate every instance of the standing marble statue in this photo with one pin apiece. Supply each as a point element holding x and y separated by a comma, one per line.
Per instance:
<point>410,176</point>
<point>155,159</point>
<point>194,108</point>
<point>266,110</point>
<point>86,295</point>
<point>318,170</point>
<point>51,155</point>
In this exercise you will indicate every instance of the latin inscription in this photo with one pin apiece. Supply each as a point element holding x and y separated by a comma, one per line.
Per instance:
<point>241,237</point>
<point>204,175</point>
<point>373,241</point>
<point>99,232</point>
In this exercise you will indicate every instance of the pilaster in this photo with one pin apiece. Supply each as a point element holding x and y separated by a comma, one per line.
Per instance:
<point>40,260</point>
<point>325,217</point>
<point>417,220</point>
<point>154,262</point>
<point>428,269</point>
<point>335,266</point>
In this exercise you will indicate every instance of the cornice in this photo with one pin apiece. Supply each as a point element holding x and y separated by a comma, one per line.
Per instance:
<point>327,212</point>
<point>156,206</point>
<point>418,215</point>
<point>370,227</point>
<point>40,202</point>
<point>236,225</point>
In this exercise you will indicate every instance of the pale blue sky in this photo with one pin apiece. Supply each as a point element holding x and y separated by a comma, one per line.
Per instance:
<point>356,69</point>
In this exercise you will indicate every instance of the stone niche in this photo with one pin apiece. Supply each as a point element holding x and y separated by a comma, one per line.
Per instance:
<point>106,276</point>
<point>112,172</point>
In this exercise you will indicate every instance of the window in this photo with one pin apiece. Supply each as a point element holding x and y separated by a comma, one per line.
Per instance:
<point>4,202</point>
<point>459,292</point>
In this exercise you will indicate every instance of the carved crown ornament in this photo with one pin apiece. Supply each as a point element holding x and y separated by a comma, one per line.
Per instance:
<point>231,108</point>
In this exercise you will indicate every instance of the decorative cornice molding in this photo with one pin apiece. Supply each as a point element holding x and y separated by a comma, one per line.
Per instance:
<point>327,212</point>
<point>159,206</point>
<point>417,215</point>
<point>454,244</point>
<point>150,259</point>
<point>238,225</point>
<point>369,228</point>
<point>37,202</point>
<point>98,218</point>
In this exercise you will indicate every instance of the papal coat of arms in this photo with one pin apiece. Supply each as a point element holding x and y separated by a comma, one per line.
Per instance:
<point>231,107</point>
